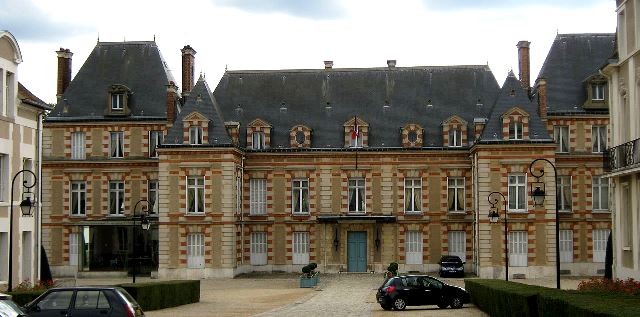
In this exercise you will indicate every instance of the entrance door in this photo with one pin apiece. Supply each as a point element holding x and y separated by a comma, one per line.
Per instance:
<point>357,251</point>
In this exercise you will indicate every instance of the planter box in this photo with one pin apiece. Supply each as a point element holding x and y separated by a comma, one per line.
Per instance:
<point>308,282</point>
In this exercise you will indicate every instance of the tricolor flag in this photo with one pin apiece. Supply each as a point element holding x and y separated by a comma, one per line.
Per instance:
<point>355,133</point>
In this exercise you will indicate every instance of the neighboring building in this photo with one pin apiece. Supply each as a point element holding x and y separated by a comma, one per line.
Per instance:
<point>20,133</point>
<point>623,71</point>
<point>348,168</point>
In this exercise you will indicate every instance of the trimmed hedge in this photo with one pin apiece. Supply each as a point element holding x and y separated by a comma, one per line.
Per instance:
<point>159,295</point>
<point>502,298</point>
<point>23,297</point>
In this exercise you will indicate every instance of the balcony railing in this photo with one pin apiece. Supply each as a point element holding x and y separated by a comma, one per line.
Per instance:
<point>623,156</point>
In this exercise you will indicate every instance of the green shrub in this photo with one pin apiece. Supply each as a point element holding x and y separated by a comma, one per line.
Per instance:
<point>502,298</point>
<point>21,297</point>
<point>393,268</point>
<point>309,269</point>
<point>159,295</point>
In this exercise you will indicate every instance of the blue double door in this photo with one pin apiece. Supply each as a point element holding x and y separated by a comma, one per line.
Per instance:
<point>357,251</point>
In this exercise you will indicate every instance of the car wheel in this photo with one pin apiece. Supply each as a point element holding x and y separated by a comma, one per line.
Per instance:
<point>399,304</point>
<point>443,304</point>
<point>386,307</point>
<point>456,302</point>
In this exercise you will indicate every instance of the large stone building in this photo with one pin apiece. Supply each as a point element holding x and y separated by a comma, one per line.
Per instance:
<point>623,71</point>
<point>348,168</point>
<point>20,132</point>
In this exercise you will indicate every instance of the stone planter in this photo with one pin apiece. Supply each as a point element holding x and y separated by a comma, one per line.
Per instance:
<point>308,282</point>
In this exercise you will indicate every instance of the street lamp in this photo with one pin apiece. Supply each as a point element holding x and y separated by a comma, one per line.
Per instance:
<point>538,193</point>
<point>494,216</point>
<point>145,224</point>
<point>25,208</point>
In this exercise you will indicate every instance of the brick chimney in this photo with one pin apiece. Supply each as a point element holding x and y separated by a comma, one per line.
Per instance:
<point>523,63</point>
<point>542,98</point>
<point>172,98</point>
<point>188,61</point>
<point>328,64</point>
<point>391,63</point>
<point>64,71</point>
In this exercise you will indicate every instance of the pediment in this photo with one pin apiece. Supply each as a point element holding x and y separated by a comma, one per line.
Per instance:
<point>259,123</point>
<point>195,116</point>
<point>352,121</point>
<point>455,119</point>
<point>515,111</point>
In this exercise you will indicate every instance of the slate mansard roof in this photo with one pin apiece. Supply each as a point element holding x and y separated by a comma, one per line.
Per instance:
<point>136,65</point>
<point>385,98</point>
<point>201,100</point>
<point>572,59</point>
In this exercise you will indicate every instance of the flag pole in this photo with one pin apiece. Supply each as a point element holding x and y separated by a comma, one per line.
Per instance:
<point>357,134</point>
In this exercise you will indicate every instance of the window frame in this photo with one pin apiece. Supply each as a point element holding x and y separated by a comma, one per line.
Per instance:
<point>414,248</point>
<point>258,196</point>
<point>456,188</point>
<point>598,90</point>
<point>516,129</point>
<point>455,137</point>
<point>562,132</point>
<point>299,188</point>
<point>80,194</point>
<point>564,183</point>
<point>601,184</point>
<point>600,237</point>
<point>119,197</point>
<point>198,189</point>
<point>195,135</point>
<point>520,187</point>
<point>411,186</point>
<point>457,243</point>
<point>153,196</point>
<point>258,140</point>
<point>566,245</point>
<point>518,242</point>
<point>74,248</point>
<point>359,189</point>
<point>119,143</point>
<point>598,143</point>
<point>117,101</point>
<point>3,175</point>
<point>156,137</point>
<point>301,247</point>
<point>78,145</point>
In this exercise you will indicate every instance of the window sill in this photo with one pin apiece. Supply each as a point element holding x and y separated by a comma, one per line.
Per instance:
<point>600,211</point>
<point>413,213</point>
<point>196,214</point>
<point>517,211</point>
<point>626,248</point>
<point>303,214</point>
<point>78,216</point>
<point>116,215</point>
<point>356,213</point>
<point>565,211</point>
<point>457,212</point>
<point>257,215</point>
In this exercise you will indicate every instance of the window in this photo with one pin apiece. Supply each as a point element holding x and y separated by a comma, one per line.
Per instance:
<point>356,136</point>
<point>455,194</point>
<point>518,248</point>
<point>458,244</point>
<point>195,194</point>
<point>455,138</point>
<point>626,216</point>
<point>600,237</point>
<point>566,246</point>
<point>116,198</point>
<point>413,247</point>
<point>8,94</point>
<point>155,139</point>
<point>301,248</point>
<point>78,198</point>
<point>413,195</point>
<point>258,196</point>
<point>515,130</point>
<point>56,300</point>
<point>3,105</point>
<point>356,196</point>
<point>152,199</point>
<point>3,176</point>
<point>258,248</point>
<point>563,196</point>
<point>195,135</point>
<point>597,92</point>
<point>74,242</point>
<point>517,192</point>
<point>116,144</point>
<point>91,300</point>
<point>257,140</point>
<point>599,138</point>
<point>300,197</point>
<point>238,194</point>
<point>561,135</point>
<point>600,194</point>
<point>195,250</point>
<point>117,101</point>
<point>27,164</point>
<point>77,145</point>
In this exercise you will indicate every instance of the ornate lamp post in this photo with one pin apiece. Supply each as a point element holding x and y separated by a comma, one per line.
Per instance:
<point>145,224</point>
<point>538,193</point>
<point>494,216</point>
<point>25,208</point>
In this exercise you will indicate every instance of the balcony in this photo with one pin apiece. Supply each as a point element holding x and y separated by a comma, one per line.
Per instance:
<point>622,157</point>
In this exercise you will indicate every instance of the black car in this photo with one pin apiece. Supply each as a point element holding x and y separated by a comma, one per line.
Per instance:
<point>451,265</point>
<point>415,290</point>
<point>85,301</point>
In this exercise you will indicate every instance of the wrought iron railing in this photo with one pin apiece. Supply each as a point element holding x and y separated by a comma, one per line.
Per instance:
<point>622,156</point>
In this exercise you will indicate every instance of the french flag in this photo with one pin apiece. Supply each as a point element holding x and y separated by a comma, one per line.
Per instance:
<point>355,133</point>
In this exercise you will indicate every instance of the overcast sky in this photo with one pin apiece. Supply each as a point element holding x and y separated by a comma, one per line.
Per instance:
<point>295,34</point>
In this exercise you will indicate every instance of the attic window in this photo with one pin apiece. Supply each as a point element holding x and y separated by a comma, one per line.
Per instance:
<point>117,101</point>
<point>515,130</point>
<point>195,135</point>
<point>597,91</point>
<point>412,136</point>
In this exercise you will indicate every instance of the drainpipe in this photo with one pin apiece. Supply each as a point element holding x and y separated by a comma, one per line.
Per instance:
<point>476,224</point>
<point>38,220</point>
<point>242,211</point>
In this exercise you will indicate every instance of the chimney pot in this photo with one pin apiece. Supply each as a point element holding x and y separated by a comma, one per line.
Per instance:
<point>328,64</point>
<point>64,71</point>
<point>391,63</point>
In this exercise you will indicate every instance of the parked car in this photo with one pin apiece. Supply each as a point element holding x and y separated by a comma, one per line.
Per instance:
<point>8,308</point>
<point>85,301</point>
<point>415,290</point>
<point>451,265</point>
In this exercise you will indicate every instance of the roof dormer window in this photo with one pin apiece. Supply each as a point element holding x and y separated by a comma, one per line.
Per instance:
<point>117,101</point>
<point>515,130</point>
<point>257,140</point>
<point>195,135</point>
<point>597,95</point>
<point>258,135</point>
<point>597,91</point>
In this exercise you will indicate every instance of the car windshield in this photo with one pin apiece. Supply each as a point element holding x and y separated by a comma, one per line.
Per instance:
<point>450,259</point>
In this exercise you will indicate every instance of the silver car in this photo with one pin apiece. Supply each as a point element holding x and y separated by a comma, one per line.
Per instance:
<point>8,308</point>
